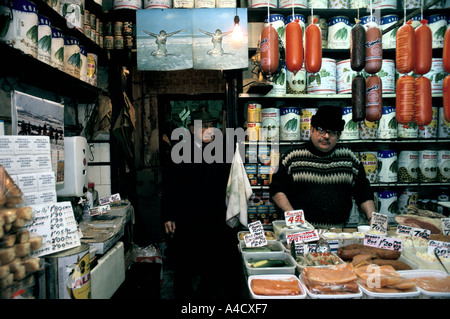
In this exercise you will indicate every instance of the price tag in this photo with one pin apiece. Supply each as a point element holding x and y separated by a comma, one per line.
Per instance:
<point>256,238</point>
<point>445,226</point>
<point>442,248</point>
<point>99,210</point>
<point>383,242</point>
<point>109,199</point>
<point>306,236</point>
<point>56,224</point>
<point>294,217</point>
<point>379,222</point>
<point>413,232</point>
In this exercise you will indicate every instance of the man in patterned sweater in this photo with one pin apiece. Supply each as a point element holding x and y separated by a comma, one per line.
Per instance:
<point>320,178</point>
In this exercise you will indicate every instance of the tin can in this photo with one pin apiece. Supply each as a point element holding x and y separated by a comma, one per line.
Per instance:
<point>226,4</point>
<point>443,165</point>
<point>109,28</point>
<point>270,125</point>
<point>431,130</point>
<point>358,4</point>
<point>72,56</point>
<point>411,4</point>
<point>408,197</point>
<point>277,21</point>
<point>387,204</point>
<point>427,166</point>
<point>410,130</point>
<point>87,31</point>
<point>389,39</point>
<point>293,17</point>
<point>204,3</point>
<point>97,22</point>
<point>87,18</point>
<point>305,120</point>
<point>443,125</point>
<point>279,82</point>
<point>254,112</point>
<point>339,4</point>
<point>292,4</point>
<point>370,164</point>
<point>368,130</point>
<point>438,26</point>
<point>100,28</point>
<point>100,41</point>
<point>387,125</point>
<point>438,5</point>
<point>350,131</point>
<point>118,42</point>
<point>385,4</point>
<point>128,28</point>
<point>83,69</point>
<point>109,42</point>
<point>344,76</point>
<point>339,31</point>
<point>318,4</point>
<point>44,39</point>
<point>118,28</point>
<point>57,55</point>
<point>92,68</point>
<point>93,21</point>
<point>129,43</point>
<point>55,4</point>
<point>324,81</point>
<point>387,166</point>
<point>408,166</point>
<point>253,131</point>
<point>387,76</point>
<point>68,274</point>
<point>290,124</point>
<point>25,23</point>
<point>296,83</point>
<point>73,12</point>
<point>264,3</point>
<point>436,75</point>
<point>366,19</point>
<point>185,4</point>
<point>128,4</point>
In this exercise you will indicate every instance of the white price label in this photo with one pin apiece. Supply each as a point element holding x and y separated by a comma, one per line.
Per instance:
<point>256,238</point>
<point>442,248</point>
<point>379,222</point>
<point>306,236</point>
<point>294,217</point>
<point>383,242</point>
<point>445,226</point>
<point>413,232</point>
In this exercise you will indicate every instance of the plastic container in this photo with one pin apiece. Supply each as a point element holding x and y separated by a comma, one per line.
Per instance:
<point>274,246</point>
<point>402,295</point>
<point>281,230</point>
<point>301,267</point>
<point>422,263</point>
<point>269,235</point>
<point>302,295</point>
<point>312,295</point>
<point>425,294</point>
<point>289,270</point>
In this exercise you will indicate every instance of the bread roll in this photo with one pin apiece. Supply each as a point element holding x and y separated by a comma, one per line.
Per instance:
<point>7,281</point>
<point>22,236</point>
<point>4,271</point>
<point>15,264</point>
<point>7,255</point>
<point>9,215</point>
<point>31,264</point>
<point>20,273</point>
<point>35,242</point>
<point>8,241</point>
<point>22,250</point>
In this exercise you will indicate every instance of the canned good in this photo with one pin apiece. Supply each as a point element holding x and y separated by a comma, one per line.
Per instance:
<point>427,166</point>
<point>83,69</point>
<point>270,125</point>
<point>305,120</point>
<point>254,112</point>
<point>408,166</point>
<point>253,129</point>
<point>324,81</point>
<point>264,3</point>
<point>118,28</point>
<point>75,15</point>
<point>338,4</point>
<point>369,161</point>
<point>87,17</point>
<point>109,28</point>
<point>118,42</point>
<point>109,42</point>
<point>410,130</point>
<point>318,4</point>
<point>387,166</point>
<point>57,49</point>
<point>431,130</point>
<point>443,165</point>
<point>87,31</point>
<point>292,4</point>
<point>128,4</point>
<point>100,28</point>
<point>411,4</point>
<point>389,39</point>
<point>187,4</point>
<point>339,31</point>
<point>92,68</point>
<point>357,4</point>
<point>128,28</point>
<point>226,4</point>
<point>296,83</point>
<point>44,39</point>
<point>443,125</point>
<point>93,21</point>
<point>366,19</point>
<point>385,4</point>
<point>436,75</point>
<point>344,76</point>
<point>71,52</point>
<point>129,43</point>
<point>408,197</point>
<point>277,21</point>
<point>387,125</point>
<point>351,131</point>
<point>204,3</point>
<point>279,82</point>
<point>290,124</point>
<point>368,130</point>
<point>438,26</point>
<point>387,204</point>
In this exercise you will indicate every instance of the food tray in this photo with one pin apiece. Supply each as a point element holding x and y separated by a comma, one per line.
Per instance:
<point>425,294</point>
<point>290,270</point>
<point>377,295</point>
<point>276,277</point>
<point>424,264</point>
<point>241,234</point>
<point>274,245</point>
<point>301,267</point>
<point>312,295</point>
<point>281,230</point>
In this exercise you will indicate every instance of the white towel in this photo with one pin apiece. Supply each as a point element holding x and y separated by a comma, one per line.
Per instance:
<point>238,192</point>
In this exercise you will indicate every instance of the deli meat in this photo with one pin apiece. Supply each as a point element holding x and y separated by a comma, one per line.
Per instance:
<point>434,225</point>
<point>273,287</point>
<point>339,279</point>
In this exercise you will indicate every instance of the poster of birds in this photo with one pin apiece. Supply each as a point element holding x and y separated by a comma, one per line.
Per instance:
<point>177,39</point>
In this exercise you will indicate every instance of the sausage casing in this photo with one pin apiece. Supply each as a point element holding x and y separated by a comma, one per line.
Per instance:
<point>269,48</point>
<point>358,98</point>
<point>374,100</point>
<point>424,49</point>
<point>294,46</point>
<point>357,48</point>
<point>313,48</point>
<point>405,51</point>
<point>374,50</point>
<point>423,102</point>
<point>405,99</point>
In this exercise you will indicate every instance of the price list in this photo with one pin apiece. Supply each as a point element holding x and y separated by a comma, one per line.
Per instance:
<point>56,224</point>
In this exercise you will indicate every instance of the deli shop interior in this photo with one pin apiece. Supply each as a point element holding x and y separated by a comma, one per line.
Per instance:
<point>224,149</point>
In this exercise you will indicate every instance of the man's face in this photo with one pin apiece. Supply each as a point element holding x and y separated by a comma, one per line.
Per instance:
<point>324,140</point>
<point>203,131</point>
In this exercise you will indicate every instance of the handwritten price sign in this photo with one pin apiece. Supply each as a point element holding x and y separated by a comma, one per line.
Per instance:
<point>442,248</point>
<point>413,232</point>
<point>294,217</point>
<point>445,226</point>
<point>379,222</point>
<point>383,242</point>
<point>306,236</point>
<point>256,238</point>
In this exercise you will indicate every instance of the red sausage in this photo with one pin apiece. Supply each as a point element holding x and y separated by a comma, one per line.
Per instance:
<point>446,51</point>
<point>374,50</point>
<point>404,99</point>
<point>446,95</point>
<point>424,49</point>
<point>374,100</point>
<point>269,48</point>
<point>423,110</point>
<point>405,52</point>
<point>294,46</point>
<point>313,48</point>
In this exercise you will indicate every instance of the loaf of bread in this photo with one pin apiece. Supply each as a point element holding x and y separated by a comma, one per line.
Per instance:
<point>9,215</point>
<point>20,273</point>
<point>15,264</point>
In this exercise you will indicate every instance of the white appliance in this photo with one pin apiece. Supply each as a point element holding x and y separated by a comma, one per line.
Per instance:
<point>75,167</point>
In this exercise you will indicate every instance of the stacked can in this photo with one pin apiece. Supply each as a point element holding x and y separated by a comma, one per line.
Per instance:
<point>253,121</point>
<point>109,36</point>
<point>118,35</point>
<point>93,28</point>
<point>128,34</point>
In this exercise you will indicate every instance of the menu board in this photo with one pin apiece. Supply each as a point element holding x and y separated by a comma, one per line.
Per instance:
<point>56,223</point>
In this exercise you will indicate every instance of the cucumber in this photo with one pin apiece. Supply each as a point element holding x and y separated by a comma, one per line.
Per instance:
<point>269,263</point>
<point>256,249</point>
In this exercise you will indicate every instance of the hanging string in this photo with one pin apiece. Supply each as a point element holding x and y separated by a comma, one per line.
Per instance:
<point>421,11</point>
<point>404,12</point>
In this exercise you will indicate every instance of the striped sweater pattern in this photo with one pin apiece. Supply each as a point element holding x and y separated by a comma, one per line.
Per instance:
<point>340,167</point>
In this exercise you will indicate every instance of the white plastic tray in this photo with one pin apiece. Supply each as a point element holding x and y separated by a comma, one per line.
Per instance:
<point>289,270</point>
<point>424,264</point>
<point>276,277</point>
<point>313,295</point>
<point>275,245</point>
<point>424,294</point>
<point>402,295</point>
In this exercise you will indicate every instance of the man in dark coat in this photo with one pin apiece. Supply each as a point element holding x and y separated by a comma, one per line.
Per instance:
<point>194,212</point>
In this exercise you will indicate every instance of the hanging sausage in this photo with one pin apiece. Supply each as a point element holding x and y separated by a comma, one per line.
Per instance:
<point>269,47</point>
<point>424,48</point>
<point>374,100</point>
<point>446,98</point>
<point>405,56</point>
<point>313,48</point>
<point>374,50</point>
<point>357,47</point>
<point>294,46</point>
<point>358,98</point>
<point>423,109</point>
<point>405,99</point>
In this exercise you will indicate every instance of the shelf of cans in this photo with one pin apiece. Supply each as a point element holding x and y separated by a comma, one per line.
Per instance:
<point>33,33</point>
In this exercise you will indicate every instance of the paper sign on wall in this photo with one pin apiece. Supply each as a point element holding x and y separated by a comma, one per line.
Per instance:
<point>56,224</point>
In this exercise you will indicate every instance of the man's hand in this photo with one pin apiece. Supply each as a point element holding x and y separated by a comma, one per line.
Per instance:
<point>170,227</point>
